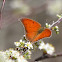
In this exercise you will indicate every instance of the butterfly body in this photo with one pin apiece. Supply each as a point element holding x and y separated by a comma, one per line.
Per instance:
<point>34,31</point>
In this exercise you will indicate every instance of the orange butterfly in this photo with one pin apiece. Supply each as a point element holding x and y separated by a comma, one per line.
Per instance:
<point>34,31</point>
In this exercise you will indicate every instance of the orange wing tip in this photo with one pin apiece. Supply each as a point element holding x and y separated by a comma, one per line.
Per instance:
<point>21,19</point>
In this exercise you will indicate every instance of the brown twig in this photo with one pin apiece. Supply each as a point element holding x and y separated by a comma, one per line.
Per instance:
<point>46,56</point>
<point>56,23</point>
<point>1,12</point>
<point>2,5</point>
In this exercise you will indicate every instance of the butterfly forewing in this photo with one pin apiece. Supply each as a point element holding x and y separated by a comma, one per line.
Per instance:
<point>31,27</point>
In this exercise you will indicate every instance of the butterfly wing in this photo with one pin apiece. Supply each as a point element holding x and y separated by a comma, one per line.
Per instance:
<point>31,28</point>
<point>43,34</point>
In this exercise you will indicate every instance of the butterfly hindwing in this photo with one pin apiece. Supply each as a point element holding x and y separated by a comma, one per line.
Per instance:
<point>43,34</point>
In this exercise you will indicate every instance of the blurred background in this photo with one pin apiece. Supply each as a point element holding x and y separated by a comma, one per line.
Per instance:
<point>39,10</point>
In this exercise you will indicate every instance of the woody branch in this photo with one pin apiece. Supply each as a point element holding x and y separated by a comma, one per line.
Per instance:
<point>46,56</point>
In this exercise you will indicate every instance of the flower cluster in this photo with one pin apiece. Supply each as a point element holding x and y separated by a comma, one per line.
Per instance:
<point>24,47</point>
<point>22,44</point>
<point>20,54</point>
<point>23,51</point>
<point>11,55</point>
<point>48,48</point>
<point>47,25</point>
<point>55,28</point>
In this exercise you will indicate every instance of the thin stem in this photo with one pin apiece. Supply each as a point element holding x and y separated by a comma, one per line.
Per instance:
<point>56,23</point>
<point>2,5</point>
<point>1,12</point>
<point>48,56</point>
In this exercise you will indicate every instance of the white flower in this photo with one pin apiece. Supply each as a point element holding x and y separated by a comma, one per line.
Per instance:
<point>48,25</point>
<point>17,43</point>
<point>24,35</point>
<point>22,41</point>
<point>12,53</point>
<point>5,56</point>
<point>42,45</point>
<point>56,27</point>
<point>29,45</point>
<point>29,51</point>
<point>2,59</point>
<point>9,60</point>
<point>21,59</point>
<point>57,30</point>
<point>49,49</point>
<point>15,54</point>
